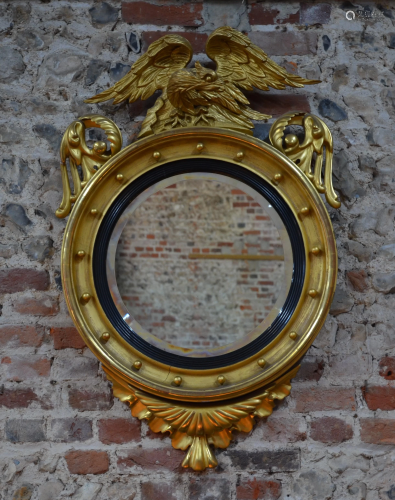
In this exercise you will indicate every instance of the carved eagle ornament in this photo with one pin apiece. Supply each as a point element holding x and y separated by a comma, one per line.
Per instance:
<point>200,96</point>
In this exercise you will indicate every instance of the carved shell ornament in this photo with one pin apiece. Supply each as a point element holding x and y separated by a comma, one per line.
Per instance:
<point>201,121</point>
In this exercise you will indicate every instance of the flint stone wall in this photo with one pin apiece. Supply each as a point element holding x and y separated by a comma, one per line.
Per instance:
<point>63,435</point>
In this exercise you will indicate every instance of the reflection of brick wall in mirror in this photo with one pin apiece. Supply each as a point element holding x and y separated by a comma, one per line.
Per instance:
<point>199,302</point>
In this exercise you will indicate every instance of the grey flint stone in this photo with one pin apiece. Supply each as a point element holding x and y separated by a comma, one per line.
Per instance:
<point>16,213</point>
<point>384,282</point>
<point>133,42</point>
<point>388,250</point>
<point>50,490</point>
<point>103,13</point>
<point>119,71</point>
<point>88,491</point>
<point>11,64</point>
<point>362,253</point>
<point>7,250</point>
<point>385,222</point>
<point>343,179</point>
<point>261,131</point>
<point>29,40</point>
<point>326,42</point>
<point>14,174</point>
<point>313,485</point>
<point>95,69</point>
<point>342,302</point>
<point>366,164</point>
<point>10,134</point>
<point>391,40</point>
<point>331,110</point>
<point>50,134</point>
<point>378,136</point>
<point>365,222</point>
<point>39,248</point>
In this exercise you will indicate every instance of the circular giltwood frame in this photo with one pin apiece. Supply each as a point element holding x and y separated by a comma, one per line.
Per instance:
<point>282,354</point>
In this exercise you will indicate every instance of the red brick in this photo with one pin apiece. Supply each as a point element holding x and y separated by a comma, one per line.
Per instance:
<point>277,105</point>
<point>87,462</point>
<point>160,459</point>
<point>119,430</point>
<point>197,40</point>
<point>358,280</point>
<point>330,430</point>
<point>261,14</point>
<point>258,489</point>
<point>280,429</point>
<point>387,368</point>
<point>311,369</point>
<point>378,430</point>
<point>379,398</point>
<point>71,429</point>
<point>18,398</point>
<point>157,491</point>
<point>20,368</point>
<point>278,460</point>
<point>134,127</point>
<point>19,280</point>
<point>188,14</point>
<point>323,399</point>
<point>65,337</point>
<point>42,306</point>
<point>169,318</point>
<point>209,487</point>
<point>85,400</point>
<point>292,43</point>
<point>20,336</point>
<point>27,430</point>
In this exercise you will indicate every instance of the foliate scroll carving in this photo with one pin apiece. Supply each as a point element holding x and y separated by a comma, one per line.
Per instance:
<point>317,140</point>
<point>83,160</point>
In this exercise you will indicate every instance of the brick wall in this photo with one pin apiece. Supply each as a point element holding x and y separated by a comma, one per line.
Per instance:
<point>62,433</point>
<point>197,303</point>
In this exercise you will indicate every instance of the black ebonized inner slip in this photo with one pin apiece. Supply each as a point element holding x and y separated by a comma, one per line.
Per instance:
<point>181,167</point>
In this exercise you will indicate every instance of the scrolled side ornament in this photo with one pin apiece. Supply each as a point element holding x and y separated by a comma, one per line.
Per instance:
<point>74,149</point>
<point>317,138</point>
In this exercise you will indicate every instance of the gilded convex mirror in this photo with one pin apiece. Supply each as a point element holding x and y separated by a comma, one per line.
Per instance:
<point>199,262</point>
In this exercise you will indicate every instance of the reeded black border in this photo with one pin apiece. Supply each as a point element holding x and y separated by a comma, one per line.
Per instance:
<point>187,166</point>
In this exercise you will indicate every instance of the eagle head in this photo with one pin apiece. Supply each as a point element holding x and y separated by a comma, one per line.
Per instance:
<point>206,74</point>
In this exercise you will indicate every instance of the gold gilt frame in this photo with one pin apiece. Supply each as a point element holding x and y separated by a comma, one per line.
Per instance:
<point>199,407</point>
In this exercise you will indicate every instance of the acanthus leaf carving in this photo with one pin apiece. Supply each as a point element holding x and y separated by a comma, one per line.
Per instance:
<point>74,149</point>
<point>317,138</point>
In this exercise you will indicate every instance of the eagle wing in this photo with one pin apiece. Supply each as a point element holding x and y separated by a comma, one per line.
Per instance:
<point>244,64</point>
<point>151,72</point>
